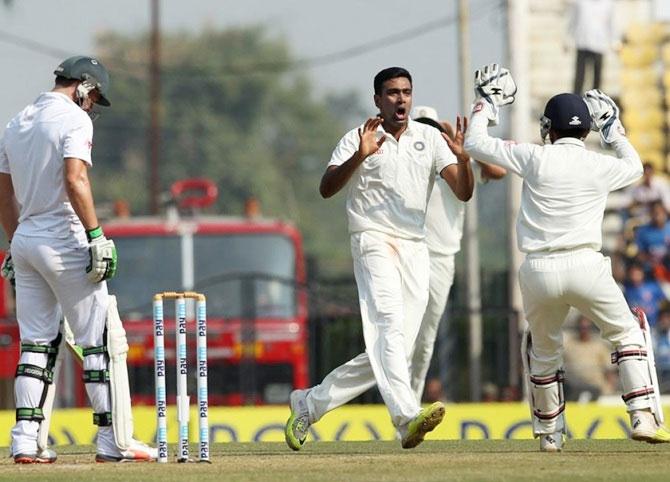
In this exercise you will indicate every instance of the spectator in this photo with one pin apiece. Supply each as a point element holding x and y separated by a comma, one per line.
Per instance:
<point>619,269</point>
<point>490,392</point>
<point>434,391</point>
<point>662,349</point>
<point>589,372</point>
<point>591,28</point>
<point>653,239</point>
<point>651,188</point>
<point>647,294</point>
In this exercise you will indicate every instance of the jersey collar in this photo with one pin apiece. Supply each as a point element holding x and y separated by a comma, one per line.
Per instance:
<point>411,129</point>
<point>570,141</point>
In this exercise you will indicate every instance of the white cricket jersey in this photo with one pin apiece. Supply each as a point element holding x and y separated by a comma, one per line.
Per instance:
<point>445,217</point>
<point>389,190</point>
<point>565,186</point>
<point>591,25</point>
<point>32,151</point>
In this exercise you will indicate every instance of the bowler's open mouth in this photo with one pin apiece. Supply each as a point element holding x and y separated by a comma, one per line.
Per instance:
<point>400,114</point>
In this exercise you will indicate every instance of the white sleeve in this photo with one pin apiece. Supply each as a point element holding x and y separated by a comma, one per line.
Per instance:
<point>627,168</point>
<point>78,139</point>
<point>482,147</point>
<point>443,156</point>
<point>4,160</point>
<point>346,148</point>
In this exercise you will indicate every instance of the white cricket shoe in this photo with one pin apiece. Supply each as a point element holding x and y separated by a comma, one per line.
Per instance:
<point>298,422</point>
<point>136,452</point>
<point>551,442</point>
<point>645,428</point>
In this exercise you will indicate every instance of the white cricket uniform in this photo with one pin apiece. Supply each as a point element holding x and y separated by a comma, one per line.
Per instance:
<point>386,206</point>
<point>563,199</point>
<point>49,248</point>
<point>444,230</point>
<point>591,25</point>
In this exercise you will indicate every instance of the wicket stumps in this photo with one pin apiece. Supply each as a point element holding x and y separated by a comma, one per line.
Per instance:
<point>182,372</point>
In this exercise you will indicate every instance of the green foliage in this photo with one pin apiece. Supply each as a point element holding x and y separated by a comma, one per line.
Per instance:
<point>233,109</point>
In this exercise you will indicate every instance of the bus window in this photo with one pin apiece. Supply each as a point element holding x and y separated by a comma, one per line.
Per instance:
<point>147,265</point>
<point>230,267</point>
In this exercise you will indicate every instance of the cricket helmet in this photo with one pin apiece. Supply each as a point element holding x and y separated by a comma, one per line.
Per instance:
<point>90,71</point>
<point>565,112</point>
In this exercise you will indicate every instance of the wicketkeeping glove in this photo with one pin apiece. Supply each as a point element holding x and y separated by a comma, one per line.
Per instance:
<point>496,86</point>
<point>101,256</point>
<point>604,116</point>
<point>7,269</point>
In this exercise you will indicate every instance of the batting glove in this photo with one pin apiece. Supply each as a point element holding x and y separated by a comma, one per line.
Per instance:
<point>495,86</point>
<point>7,269</point>
<point>101,256</point>
<point>604,116</point>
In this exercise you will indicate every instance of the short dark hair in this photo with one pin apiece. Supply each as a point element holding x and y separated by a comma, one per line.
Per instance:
<point>387,74</point>
<point>64,81</point>
<point>430,122</point>
<point>576,133</point>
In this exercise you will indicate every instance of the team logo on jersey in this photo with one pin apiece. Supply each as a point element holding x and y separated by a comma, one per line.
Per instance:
<point>419,146</point>
<point>575,121</point>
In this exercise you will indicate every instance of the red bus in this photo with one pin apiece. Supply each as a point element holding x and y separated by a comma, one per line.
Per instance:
<point>253,275</point>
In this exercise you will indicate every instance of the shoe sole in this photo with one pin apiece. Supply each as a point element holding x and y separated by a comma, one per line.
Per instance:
<point>427,425</point>
<point>102,459</point>
<point>648,437</point>
<point>30,459</point>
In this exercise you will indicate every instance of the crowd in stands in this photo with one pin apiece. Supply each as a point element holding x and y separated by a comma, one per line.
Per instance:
<point>641,266</point>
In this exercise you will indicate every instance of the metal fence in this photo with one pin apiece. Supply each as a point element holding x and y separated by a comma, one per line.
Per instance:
<point>336,336</point>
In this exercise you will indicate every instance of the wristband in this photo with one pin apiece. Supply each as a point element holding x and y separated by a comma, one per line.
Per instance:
<point>93,233</point>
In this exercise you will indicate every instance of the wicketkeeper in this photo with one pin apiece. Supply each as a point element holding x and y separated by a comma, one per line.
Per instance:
<point>559,223</point>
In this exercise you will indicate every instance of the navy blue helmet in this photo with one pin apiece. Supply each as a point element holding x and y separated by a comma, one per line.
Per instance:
<point>565,112</point>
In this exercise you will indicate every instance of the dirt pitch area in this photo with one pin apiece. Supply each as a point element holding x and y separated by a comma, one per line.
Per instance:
<point>606,460</point>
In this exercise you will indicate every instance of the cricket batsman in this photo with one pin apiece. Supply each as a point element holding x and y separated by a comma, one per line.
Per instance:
<point>59,260</point>
<point>565,189</point>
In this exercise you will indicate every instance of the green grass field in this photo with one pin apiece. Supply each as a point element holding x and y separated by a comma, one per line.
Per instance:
<point>606,460</point>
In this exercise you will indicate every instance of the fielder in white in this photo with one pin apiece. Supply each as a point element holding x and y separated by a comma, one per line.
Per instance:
<point>59,260</point>
<point>444,230</point>
<point>565,189</point>
<point>389,165</point>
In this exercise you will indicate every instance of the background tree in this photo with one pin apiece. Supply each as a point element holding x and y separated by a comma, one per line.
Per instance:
<point>234,109</point>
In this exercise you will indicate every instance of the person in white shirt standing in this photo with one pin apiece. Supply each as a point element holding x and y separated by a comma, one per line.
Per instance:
<point>389,165</point>
<point>565,189</point>
<point>592,29</point>
<point>59,260</point>
<point>444,230</point>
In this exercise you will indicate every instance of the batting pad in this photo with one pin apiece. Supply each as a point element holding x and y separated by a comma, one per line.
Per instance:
<point>117,348</point>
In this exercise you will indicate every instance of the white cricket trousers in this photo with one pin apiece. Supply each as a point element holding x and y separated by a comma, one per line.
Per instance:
<point>552,283</point>
<point>51,282</point>
<point>392,277</point>
<point>441,280</point>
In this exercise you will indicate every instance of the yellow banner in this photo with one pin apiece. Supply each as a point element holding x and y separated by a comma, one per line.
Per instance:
<point>350,422</point>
